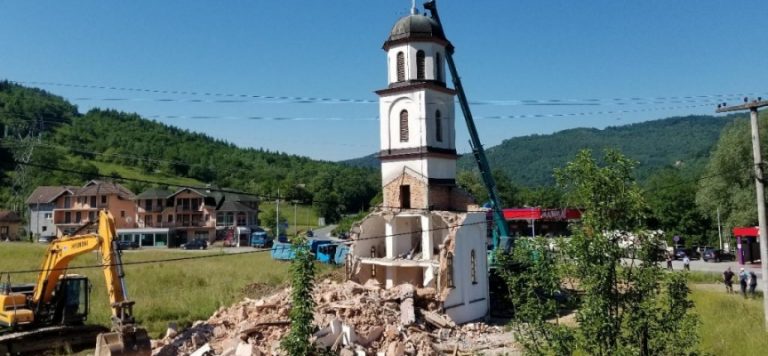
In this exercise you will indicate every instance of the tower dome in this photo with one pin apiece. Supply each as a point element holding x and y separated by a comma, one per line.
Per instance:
<point>415,27</point>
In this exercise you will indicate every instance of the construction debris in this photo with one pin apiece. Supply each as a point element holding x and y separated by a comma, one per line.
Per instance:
<point>352,319</point>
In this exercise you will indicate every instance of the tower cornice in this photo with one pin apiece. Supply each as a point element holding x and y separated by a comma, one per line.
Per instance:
<point>406,86</point>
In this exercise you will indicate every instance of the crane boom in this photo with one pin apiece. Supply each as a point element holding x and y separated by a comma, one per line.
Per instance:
<point>501,230</point>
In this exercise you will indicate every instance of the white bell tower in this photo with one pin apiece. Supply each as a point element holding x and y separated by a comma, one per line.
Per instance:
<point>416,113</point>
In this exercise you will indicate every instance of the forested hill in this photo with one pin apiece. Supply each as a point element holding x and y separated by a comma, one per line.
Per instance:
<point>108,142</point>
<point>530,160</point>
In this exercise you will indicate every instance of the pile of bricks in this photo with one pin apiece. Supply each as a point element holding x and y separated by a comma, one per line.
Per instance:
<point>353,319</point>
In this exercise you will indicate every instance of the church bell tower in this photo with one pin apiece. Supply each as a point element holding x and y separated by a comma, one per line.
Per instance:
<point>416,110</point>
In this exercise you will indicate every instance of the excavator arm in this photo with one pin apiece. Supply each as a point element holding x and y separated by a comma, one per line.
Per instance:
<point>61,252</point>
<point>125,338</point>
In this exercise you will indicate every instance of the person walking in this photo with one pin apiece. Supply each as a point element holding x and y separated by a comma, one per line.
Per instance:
<point>752,283</point>
<point>686,263</point>
<point>669,261</point>
<point>743,277</point>
<point>728,280</point>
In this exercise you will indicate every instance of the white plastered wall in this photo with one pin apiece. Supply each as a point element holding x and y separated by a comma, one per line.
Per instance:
<point>469,301</point>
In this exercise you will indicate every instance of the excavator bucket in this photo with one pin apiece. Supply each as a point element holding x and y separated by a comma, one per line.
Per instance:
<point>133,343</point>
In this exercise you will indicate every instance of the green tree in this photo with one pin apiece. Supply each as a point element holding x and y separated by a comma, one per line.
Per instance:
<point>672,202</point>
<point>269,218</point>
<point>531,274</point>
<point>621,309</point>
<point>728,181</point>
<point>297,342</point>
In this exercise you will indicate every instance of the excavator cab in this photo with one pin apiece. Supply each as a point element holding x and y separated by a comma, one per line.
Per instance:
<point>71,300</point>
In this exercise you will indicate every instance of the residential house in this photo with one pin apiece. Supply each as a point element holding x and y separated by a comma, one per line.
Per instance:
<point>165,218</point>
<point>76,207</point>
<point>41,203</point>
<point>193,215</point>
<point>10,225</point>
<point>237,215</point>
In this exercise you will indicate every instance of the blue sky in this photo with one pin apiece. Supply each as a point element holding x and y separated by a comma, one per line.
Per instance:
<point>636,59</point>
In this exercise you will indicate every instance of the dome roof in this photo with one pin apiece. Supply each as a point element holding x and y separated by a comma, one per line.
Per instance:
<point>416,26</point>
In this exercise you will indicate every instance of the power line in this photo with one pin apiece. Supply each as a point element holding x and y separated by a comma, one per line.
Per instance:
<point>240,97</point>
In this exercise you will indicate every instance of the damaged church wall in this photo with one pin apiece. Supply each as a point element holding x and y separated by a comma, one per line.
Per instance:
<point>469,299</point>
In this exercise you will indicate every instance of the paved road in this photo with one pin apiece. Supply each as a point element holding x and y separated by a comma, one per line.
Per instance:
<point>719,267</point>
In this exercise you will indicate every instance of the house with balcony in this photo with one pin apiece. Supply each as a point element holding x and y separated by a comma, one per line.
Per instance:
<point>192,213</point>
<point>63,210</point>
<point>79,206</point>
<point>237,215</point>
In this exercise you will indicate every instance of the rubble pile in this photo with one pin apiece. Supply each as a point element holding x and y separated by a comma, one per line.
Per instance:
<point>353,319</point>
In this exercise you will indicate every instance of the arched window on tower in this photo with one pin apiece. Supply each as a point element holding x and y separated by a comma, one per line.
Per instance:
<point>438,126</point>
<point>420,64</point>
<point>438,68</point>
<point>400,67</point>
<point>404,126</point>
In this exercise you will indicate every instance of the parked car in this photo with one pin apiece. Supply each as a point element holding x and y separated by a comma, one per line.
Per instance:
<point>127,245</point>
<point>681,252</point>
<point>310,233</point>
<point>717,255</point>
<point>260,239</point>
<point>196,244</point>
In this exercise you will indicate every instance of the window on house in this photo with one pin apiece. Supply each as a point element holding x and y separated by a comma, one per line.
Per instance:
<point>420,65</point>
<point>122,213</point>
<point>103,199</point>
<point>93,201</point>
<point>170,218</point>
<point>67,202</point>
<point>148,205</point>
<point>159,219</point>
<point>67,217</point>
<point>78,217</point>
<point>91,216</point>
<point>473,265</point>
<point>449,271</point>
<point>48,216</point>
<point>160,203</point>
<point>404,126</point>
<point>400,67</point>
<point>438,68</point>
<point>405,196</point>
<point>438,127</point>
<point>45,228</point>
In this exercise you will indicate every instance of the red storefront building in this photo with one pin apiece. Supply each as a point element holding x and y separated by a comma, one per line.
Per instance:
<point>747,244</point>
<point>540,221</point>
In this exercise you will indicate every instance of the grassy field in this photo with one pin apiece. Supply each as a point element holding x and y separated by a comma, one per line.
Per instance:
<point>730,324</point>
<point>106,168</point>
<point>182,291</point>
<point>304,216</point>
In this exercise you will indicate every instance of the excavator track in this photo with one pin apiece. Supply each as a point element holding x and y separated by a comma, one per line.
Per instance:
<point>53,340</point>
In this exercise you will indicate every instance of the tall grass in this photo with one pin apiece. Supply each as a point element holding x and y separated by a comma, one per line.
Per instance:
<point>182,291</point>
<point>730,324</point>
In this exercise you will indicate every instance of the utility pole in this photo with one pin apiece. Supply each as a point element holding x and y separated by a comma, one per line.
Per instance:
<point>719,228</point>
<point>277,216</point>
<point>759,186</point>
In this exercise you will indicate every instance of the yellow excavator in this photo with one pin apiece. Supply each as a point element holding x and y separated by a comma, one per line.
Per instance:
<point>51,313</point>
